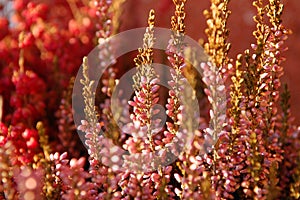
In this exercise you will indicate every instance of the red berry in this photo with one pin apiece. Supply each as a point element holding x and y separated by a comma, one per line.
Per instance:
<point>32,143</point>
<point>29,133</point>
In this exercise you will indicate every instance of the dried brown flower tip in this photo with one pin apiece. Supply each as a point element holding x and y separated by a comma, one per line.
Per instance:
<point>217,47</point>
<point>175,51</point>
<point>177,21</point>
<point>144,59</point>
<point>236,94</point>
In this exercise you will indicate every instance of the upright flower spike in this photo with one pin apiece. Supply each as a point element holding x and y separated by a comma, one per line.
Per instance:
<point>261,87</point>
<point>190,175</point>
<point>96,143</point>
<point>236,94</point>
<point>175,51</point>
<point>106,27</point>
<point>273,69</point>
<point>252,115</point>
<point>90,126</point>
<point>217,47</point>
<point>154,184</point>
<point>67,135</point>
<point>144,59</point>
<point>145,83</point>
<point>106,56</point>
<point>214,74</point>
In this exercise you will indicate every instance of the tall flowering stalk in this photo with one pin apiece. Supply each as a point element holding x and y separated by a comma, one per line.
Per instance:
<point>91,126</point>
<point>214,75</point>
<point>94,140</point>
<point>143,140</point>
<point>175,56</point>
<point>217,49</point>
<point>217,32</point>
<point>262,85</point>
<point>189,171</point>
<point>68,137</point>
<point>175,52</point>
<point>145,83</point>
<point>105,29</point>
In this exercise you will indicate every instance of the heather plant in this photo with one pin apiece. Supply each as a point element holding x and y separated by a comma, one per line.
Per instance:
<point>152,143</point>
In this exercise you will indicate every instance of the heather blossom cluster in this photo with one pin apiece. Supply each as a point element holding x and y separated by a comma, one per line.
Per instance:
<point>158,143</point>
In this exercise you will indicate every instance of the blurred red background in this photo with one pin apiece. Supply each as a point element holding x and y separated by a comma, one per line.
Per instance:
<point>241,26</point>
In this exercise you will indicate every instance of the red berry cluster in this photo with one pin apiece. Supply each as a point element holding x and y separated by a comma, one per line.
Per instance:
<point>41,48</point>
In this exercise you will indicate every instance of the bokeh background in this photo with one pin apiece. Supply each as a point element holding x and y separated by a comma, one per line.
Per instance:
<point>241,26</point>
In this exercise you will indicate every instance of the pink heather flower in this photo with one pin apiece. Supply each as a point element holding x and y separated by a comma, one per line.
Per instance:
<point>216,94</point>
<point>74,178</point>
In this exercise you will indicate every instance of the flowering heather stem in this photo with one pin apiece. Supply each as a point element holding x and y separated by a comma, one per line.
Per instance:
<point>67,131</point>
<point>217,32</point>
<point>262,84</point>
<point>145,82</point>
<point>107,25</point>
<point>273,61</point>
<point>236,99</point>
<point>175,51</point>
<point>91,125</point>
<point>217,48</point>
<point>106,55</point>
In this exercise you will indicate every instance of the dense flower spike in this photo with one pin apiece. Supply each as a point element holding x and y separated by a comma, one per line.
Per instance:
<point>217,32</point>
<point>176,58</point>
<point>91,127</point>
<point>105,30</point>
<point>142,127</point>
<point>214,75</point>
<point>145,84</point>
<point>68,137</point>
